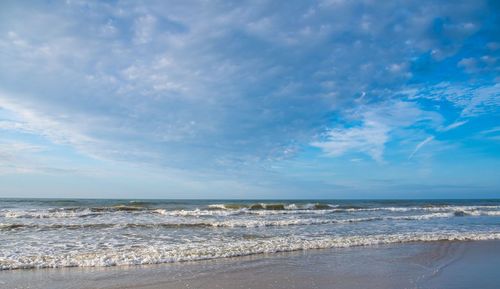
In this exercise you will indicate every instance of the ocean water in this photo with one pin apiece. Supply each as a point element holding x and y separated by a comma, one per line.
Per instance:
<point>49,233</point>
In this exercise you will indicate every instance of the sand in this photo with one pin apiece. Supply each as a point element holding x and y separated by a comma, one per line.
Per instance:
<point>474,264</point>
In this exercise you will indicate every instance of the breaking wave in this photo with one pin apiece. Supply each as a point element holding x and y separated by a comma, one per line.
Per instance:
<point>249,223</point>
<point>214,250</point>
<point>239,209</point>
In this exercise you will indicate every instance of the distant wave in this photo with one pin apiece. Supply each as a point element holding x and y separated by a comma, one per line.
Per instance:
<point>273,206</point>
<point>237,209</point>
<point>216,249</point>
<point>42,214</point>
<point>476,213</point>
<point>471,210</point>
<point>249,223</point>
<point>69,212</point>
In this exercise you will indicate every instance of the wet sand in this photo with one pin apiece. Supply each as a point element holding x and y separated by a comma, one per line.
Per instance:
<point>454,265</point>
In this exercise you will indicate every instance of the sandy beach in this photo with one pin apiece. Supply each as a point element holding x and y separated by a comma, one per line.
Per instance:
<point>413,265</point>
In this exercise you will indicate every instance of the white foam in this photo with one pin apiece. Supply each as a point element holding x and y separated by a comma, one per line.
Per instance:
<point>293,209</point>
<point>477,213</point>
<point>43,214</point>
<point>422,217</point>
<point>219,249</point>
<point>227,222</point>
<point>223,210</point>
<point>198,212</point>
<point>218,206</point>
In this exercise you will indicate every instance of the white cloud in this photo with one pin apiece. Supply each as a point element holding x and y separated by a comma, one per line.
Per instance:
<point>454,125</point>
<point>431,138</point>
<point>420,145</point>
<point>369,139</point>
<point>469,64</point>
<point>492,134</point>
<point>23,157</point>
<point>31,121</point>
<point>144,28</point>
<point>377,123</point>
<point>472,100</point>
<point>491,131</point>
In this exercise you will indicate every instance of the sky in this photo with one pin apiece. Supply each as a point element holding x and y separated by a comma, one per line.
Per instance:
<point>250,99</point>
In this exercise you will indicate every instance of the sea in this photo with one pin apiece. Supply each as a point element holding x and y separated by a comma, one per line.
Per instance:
<point>55,233</point>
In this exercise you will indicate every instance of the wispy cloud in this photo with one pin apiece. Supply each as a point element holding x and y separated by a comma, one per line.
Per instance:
<point>144,27</point>
<point>58,130</point>
<point>454,125</point>
<point>493,133</point>
<point>369,139</point>
<point>420,145</point>
<point>427,140</point>
<point>25,158</point>
<point>471,100</point>
<point>376,124</point>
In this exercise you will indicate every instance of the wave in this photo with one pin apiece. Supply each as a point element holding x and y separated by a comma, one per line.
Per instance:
<point>460,213</point>
<point>236,209</point>
<point>69,212</point>
<point>43,214</point>
<point>273,206</point>
<point>443,208</point>
<point>301,222</point>
<point>221,224</point>
<point>7,227</point>
<point>339,208</point>
<point>208,224</point>
<point>221,249</point>
<point>120,208</point>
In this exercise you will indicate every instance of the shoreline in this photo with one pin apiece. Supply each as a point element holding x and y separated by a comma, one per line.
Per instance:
<point>436,264</point>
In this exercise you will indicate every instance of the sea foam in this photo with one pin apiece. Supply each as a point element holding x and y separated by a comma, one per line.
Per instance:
<point>213,250</point>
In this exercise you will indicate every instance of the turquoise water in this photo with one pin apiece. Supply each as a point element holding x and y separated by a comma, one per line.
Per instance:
<point>44,233</point>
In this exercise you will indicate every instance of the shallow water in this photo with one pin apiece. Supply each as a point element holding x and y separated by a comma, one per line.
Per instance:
<point>66,233</point>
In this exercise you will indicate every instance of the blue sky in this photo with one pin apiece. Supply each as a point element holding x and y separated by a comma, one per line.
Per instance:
<point>250,99</point>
